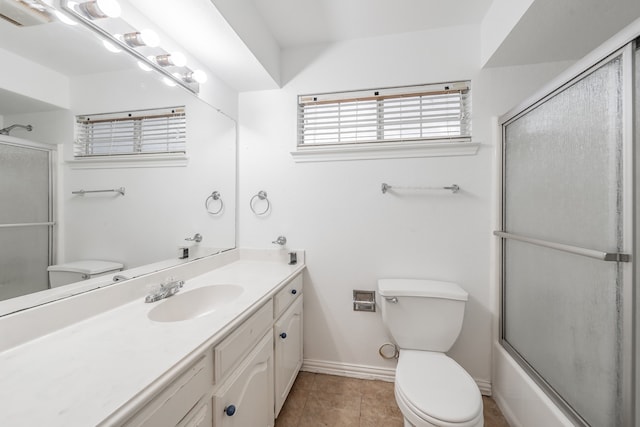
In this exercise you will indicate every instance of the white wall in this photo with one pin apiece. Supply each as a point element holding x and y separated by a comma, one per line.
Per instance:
<point>353,233</point>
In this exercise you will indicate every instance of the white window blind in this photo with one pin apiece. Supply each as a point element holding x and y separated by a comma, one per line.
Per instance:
<point>434,112</point>
<point>161,130</point>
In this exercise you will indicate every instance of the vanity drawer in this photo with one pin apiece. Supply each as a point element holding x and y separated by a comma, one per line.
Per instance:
<point>287,295</point>
<point>232,349</point>
<point>178,398</point>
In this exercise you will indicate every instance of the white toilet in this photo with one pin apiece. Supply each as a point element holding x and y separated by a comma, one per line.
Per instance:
<point>71,272</point>
<point>424,317</point>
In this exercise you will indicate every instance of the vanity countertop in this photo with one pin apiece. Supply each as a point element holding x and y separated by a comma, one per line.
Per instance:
<point>90,372</point>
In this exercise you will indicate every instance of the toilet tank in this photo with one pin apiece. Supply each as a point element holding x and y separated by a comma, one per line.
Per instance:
<point>422,314</point>
<point>71,272</point>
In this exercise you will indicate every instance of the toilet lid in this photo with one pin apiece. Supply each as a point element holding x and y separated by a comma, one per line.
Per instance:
<point>87,267</point>
<point>436,387</point>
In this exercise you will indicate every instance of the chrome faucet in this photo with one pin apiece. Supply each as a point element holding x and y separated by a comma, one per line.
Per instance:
<point>196,238</point>
<point>165,291</point>
<point>281,240</point>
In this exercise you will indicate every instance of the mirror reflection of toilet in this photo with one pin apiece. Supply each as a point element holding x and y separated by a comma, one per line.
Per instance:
<point>424,318</point>
<point>71,272</point>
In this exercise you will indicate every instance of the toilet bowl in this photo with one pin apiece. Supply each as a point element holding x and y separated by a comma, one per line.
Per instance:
<point>433,390</point>
<point>71,272</point>
<point>424,318</point>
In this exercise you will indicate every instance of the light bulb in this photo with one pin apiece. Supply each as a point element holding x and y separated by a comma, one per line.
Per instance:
<point>111,8</point>
<point>199,76</point>
<point>110,47</point>
<point>64,18</point>
<point>96,9</point>
<point>149,37</point>
<point>174,59</point>
<point>178,59</point>
<point>142,38</point>
<point>168,81</point>
<point>143,66</point>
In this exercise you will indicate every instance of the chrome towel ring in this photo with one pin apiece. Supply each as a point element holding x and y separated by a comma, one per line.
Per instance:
<point>262,195</point>
<point>215,196</point>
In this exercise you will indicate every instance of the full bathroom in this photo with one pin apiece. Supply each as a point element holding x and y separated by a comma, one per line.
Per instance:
<point>181,154</point>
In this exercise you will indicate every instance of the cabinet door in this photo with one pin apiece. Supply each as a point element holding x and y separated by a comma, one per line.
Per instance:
<point>246,398</point>
<point>288,351</point>
<point>199,416</point>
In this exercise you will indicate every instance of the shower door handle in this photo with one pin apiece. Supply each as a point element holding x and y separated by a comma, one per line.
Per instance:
<point>591,253</point>
<point>28,224</point>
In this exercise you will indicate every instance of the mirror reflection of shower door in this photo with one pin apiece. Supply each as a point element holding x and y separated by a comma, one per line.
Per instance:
<point>26,227</point>
<point>564,210</point>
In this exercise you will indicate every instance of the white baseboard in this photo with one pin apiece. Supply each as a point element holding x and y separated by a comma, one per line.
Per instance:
<point>484,386</point>
<point>367,372</point>
<point>349,370</point>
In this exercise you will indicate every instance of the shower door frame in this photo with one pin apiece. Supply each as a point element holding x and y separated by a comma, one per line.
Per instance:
<point>52,152</point>
<point>625,48</point>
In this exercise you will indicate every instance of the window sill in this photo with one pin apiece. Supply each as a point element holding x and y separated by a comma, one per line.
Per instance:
<point>137,161</point>
<point>384,151</point>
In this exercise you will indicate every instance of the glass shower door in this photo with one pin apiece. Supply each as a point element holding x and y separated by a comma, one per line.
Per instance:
<point>563,230</point>
<point>25,219</point>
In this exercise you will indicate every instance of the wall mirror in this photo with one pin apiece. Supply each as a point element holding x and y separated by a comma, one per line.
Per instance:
<point>54,72</point>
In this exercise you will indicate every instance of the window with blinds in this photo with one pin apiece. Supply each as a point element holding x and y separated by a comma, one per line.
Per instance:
<point>433,112</point>
<point>161,130</point>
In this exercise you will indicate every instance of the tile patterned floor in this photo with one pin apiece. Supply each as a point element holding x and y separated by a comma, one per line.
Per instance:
<point>318,400</point>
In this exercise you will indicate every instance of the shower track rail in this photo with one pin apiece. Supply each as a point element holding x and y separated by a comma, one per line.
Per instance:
<point>27,224</point>
<point>591,253</point>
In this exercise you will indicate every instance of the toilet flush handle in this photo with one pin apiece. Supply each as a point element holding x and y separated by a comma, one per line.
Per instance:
<point>392,300</point>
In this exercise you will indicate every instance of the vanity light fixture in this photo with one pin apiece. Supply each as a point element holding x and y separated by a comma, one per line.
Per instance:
<point>145,37</point>
<point>171,59</point>
<point>198,76</point>
<point>97,9</point>
<point>142,44</point>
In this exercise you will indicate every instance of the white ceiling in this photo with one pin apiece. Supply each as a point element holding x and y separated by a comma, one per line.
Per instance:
<point>296,23</point>
<point>552,30</point>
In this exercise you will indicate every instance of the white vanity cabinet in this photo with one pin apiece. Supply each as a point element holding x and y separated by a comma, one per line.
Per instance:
<point>287,331</point>
<point>246,398</point>
<point>244,379</point>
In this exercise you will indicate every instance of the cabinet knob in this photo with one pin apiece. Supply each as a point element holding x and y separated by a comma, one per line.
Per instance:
<point>293,291</point>
<point>230,410</point>
<point>283,335</point>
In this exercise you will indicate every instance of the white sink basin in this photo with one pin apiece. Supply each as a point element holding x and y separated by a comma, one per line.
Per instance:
<point>194,303</point>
